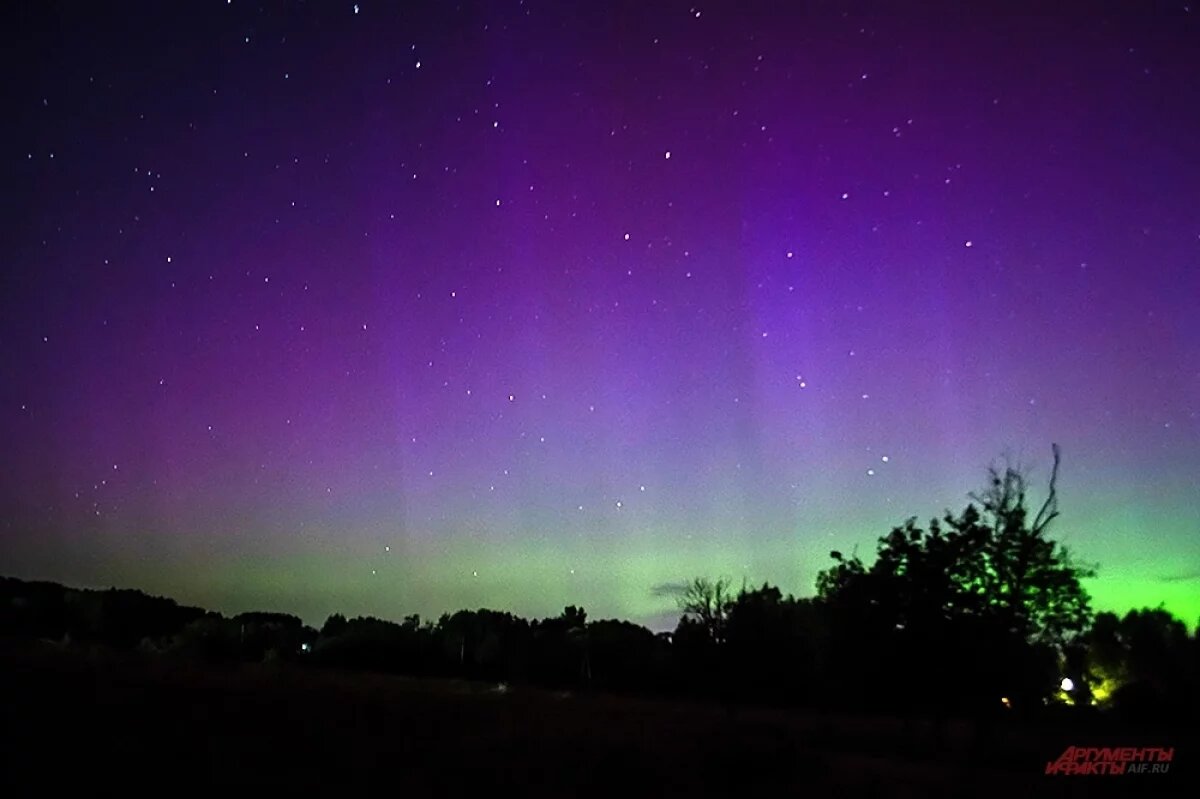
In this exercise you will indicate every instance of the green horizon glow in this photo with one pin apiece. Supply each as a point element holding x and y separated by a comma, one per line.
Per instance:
<point>531,581</point>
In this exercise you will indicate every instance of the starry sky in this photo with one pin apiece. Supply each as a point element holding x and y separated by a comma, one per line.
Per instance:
<point>409,307</point>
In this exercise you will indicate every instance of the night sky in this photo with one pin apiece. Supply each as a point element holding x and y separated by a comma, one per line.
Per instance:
<point>391,308</point>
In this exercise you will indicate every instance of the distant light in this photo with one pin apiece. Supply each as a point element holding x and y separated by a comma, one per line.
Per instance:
<point>1004,700</point>
<point>305,647</point>
<point>1067,684</point>
<point>667,155</point>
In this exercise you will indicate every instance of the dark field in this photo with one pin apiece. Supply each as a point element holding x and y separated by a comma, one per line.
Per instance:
<point>153,725</point>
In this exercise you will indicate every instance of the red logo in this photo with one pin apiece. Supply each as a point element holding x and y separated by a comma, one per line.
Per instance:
<point>1112,761</point>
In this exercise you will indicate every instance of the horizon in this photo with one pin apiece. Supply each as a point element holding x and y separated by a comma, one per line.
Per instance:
<point>375,310</point>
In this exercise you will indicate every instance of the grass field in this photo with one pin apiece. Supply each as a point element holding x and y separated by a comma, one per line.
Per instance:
<point>144,725</point>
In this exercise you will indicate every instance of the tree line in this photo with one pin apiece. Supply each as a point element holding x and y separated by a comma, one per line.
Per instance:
<point>976,612</point>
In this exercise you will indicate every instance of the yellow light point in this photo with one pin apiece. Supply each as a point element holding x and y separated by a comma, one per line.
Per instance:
<point>1103,690</point>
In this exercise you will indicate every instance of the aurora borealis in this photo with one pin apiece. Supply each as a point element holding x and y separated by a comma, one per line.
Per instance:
<point>391,308</point>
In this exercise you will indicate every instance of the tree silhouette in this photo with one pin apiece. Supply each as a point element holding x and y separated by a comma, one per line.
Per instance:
<point>1029,581</point>
<point>560,648</point>
<point>626,656</point>
<point>334,625</point>
<point>774,643</point>
<point>1143,663</point>
<point>708,602</point>
<point>988,579</point>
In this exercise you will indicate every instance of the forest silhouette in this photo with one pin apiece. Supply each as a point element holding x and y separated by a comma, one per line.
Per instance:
<point>978,612</point>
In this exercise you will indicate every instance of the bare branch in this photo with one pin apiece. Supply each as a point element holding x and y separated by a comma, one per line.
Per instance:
<point>1049,509</point>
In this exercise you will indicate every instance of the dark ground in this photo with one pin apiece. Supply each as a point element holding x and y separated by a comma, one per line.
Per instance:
<point>128,725</point>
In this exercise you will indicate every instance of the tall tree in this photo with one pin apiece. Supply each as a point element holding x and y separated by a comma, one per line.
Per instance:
<point>989,578</point>
<point>1028,580</point>
<point>993,562</point>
